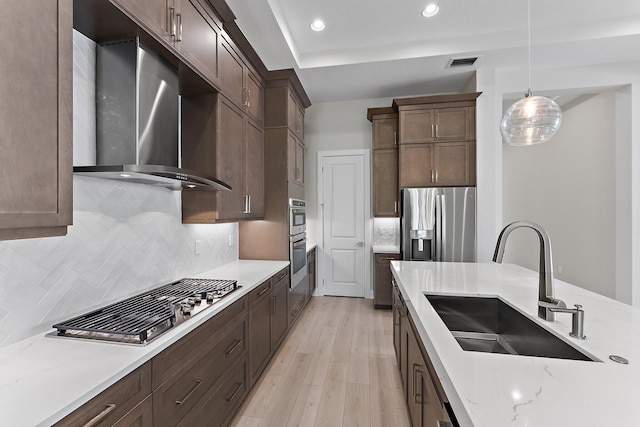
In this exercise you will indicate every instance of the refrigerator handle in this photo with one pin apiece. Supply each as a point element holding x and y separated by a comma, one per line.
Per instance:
<point>443,223</point>
<point>438,225</point>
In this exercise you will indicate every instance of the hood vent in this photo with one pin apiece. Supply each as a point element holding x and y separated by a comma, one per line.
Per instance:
<point>137,121</point>
<point>462,62</point>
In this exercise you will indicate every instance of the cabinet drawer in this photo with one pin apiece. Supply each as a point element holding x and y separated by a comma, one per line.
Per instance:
<point>386,258</point>
<point>140,416</point>
<point>224,401</point>
<point>259,292</point>
<point>113,403</point>
<point>178,396</point>
<point>180,355</point>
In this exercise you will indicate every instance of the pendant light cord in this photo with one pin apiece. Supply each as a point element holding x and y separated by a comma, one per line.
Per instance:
<point>529,42</point>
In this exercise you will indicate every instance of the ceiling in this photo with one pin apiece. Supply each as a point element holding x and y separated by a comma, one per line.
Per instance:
<point>386,48</point>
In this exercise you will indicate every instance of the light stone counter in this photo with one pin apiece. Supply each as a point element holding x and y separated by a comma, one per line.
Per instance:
<point>42,379</point>
<point>385,249</point>
<point>487,389</point>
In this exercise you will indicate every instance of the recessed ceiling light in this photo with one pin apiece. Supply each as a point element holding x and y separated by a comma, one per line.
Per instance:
<point>430,10</point>
<point>317,25</point>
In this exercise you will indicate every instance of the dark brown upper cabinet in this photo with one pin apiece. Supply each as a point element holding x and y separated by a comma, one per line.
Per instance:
<point>36,119</point>
<point>385,161</point>
<point>436,138</point>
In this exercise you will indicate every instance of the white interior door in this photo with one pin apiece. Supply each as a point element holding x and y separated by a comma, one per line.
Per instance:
<point>343,200</point>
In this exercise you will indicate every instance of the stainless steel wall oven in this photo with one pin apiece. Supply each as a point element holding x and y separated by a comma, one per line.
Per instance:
<point>297,241</point>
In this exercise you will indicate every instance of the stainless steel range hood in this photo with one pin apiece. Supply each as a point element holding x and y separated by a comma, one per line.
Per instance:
<point>138,121</point>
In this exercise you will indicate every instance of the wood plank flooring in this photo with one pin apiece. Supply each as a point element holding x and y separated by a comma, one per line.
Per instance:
<point>336,368</point>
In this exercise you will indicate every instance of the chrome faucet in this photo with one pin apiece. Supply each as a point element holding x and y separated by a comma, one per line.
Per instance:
<point>546,300</point>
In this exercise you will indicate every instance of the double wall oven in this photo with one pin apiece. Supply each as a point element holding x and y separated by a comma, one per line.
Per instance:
<point>297,240</point>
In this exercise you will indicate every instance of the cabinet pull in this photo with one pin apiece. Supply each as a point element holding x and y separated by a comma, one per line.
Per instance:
<point>387,258</point>
<point>432,175</point>
<point>248,98</point>
<point>249,203</point>
<point>95,420</point>
<point>168,9</point>
<point>417,392</point>
<point>172,21</point>
<point>395,138</point>
<point>179,20</point>
<point>232,349</point>
<point>433,131</point>
<point>180,402</point>
<point>246,204</point>
<point>436,126</point>
<point>262,292</point>
<point>282,276</point>
<point>233,395</point>
<point>395,206</point>
<point>436,176</point>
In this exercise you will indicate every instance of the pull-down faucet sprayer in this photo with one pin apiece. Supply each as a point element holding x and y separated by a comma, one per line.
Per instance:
<point>546,300</point>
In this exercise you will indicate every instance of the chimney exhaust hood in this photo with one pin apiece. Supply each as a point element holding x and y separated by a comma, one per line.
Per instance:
<point>138,121</point>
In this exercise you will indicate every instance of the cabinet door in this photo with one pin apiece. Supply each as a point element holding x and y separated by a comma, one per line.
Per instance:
<point>231,72</point>
<point>452,124</point>
<point>279,313</point>
<point>153,15</point>
<point>311,271</point>
<point>385,183</point>
<point>385,133</point>
<point>397,306</point>
<point>382,280</point>
<point>140,416</point>
<point>36,118</point>
<point>299,128</point>
<point>254,168</point>
<point>254,93</point>
<point>197,38</point>
<point>451,163</point>
<point>415,165</point>
<point>299,162</point>
<point>292,148</point>
<point>230,160</point>
<point>416,126</point>
<point>259,331</point>
<point>292,113</point>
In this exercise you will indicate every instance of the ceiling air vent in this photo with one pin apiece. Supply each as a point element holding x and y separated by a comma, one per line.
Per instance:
<point>462,62</point>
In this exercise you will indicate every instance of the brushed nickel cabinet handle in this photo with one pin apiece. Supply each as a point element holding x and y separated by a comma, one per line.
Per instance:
<point>262,292</point>
<point>246,204</point>
<point>233,395</point>
<point>436,130</point>
<point>95,420</point>
<point>282,276</point>
<point>436,176</point>
<point>395,138</point>
<point>233,348</point>
<point>248,98</point>
<point>432,176</point>
<point>395,206</point>
<point>180,402</point>
<point>433,131</point>
<point>172,21</point>
<point>179,19</point>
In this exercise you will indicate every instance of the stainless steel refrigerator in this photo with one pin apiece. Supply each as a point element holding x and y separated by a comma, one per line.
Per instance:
<point>438,224</point>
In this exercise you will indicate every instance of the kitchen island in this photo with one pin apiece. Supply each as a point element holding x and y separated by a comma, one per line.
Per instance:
<point>44,378</point>
<point>486,389</point>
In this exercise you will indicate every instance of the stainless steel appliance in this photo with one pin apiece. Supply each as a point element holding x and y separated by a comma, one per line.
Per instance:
<point>438,224</point>
<point>297,241</point>
<point>138,121</point>
<point>142,318</point>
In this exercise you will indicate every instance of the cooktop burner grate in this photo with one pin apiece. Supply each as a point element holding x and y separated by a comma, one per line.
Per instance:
<point>143,317</point>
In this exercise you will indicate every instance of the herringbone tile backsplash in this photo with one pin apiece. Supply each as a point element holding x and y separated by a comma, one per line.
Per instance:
<point>126,238</point>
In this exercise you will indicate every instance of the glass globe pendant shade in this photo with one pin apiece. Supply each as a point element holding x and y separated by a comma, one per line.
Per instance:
<point>531,120</point>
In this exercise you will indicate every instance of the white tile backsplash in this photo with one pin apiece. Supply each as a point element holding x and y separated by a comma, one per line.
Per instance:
<point>126,238</point>
<point>386,231</point>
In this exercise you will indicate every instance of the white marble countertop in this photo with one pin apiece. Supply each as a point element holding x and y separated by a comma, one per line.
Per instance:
<point>487,389</point>
<point>385,249</point>
<point>42,379</point>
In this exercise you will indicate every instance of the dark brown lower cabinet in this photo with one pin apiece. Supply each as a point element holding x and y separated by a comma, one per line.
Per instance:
<point>203,378</point>
<point>260,308</point>
<point>382,280</point>
<point>311,270</point>
<point>426,400</point>
<point>116,402</point>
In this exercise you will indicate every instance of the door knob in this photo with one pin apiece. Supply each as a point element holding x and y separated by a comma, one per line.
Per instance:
<point>360,244</point>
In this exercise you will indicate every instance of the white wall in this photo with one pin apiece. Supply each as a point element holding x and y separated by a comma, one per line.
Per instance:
<point>624,79</point>
<point>567,185</point>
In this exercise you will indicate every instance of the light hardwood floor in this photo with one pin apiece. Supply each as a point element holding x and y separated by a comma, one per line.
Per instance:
<point>336,368</point>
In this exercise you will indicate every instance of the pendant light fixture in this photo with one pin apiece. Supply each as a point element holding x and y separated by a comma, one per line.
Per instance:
<point>533,119</point>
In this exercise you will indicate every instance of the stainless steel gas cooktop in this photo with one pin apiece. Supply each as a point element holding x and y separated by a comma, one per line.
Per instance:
<point>142,318</point>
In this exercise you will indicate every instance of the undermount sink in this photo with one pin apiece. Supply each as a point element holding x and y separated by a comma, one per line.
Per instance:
<point>489,324</point>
